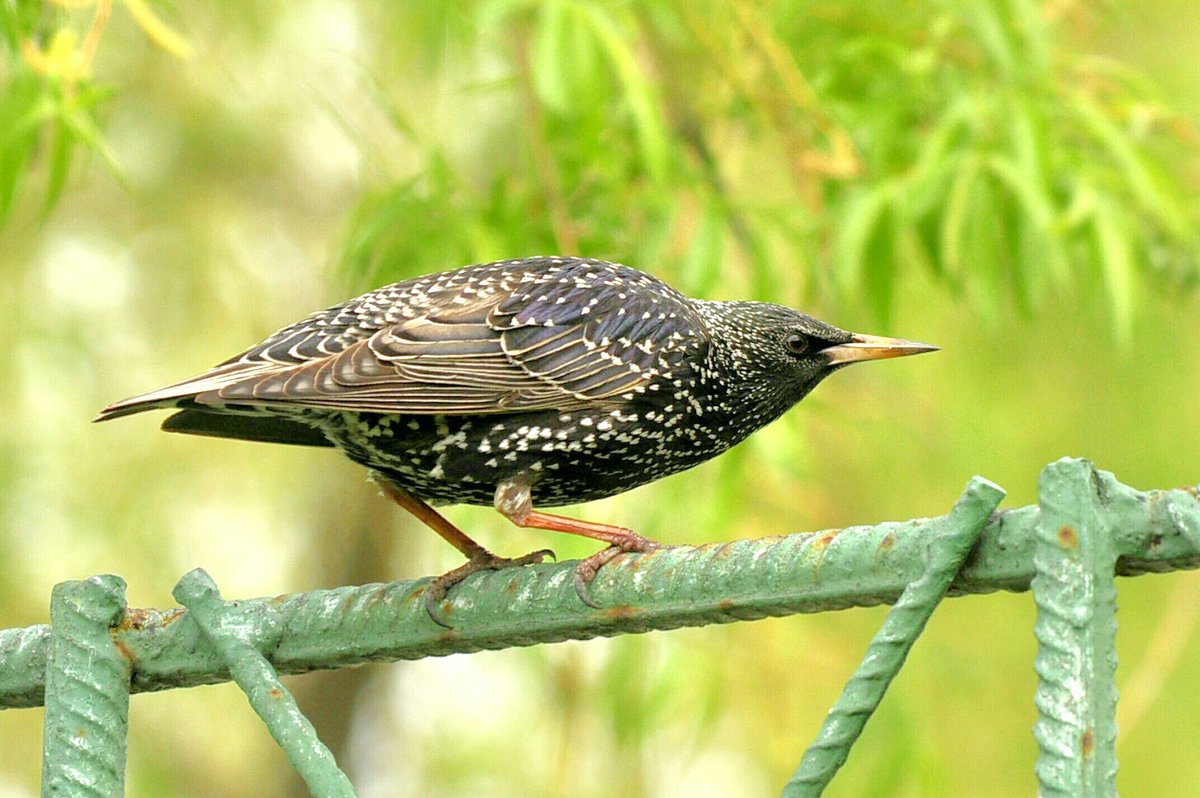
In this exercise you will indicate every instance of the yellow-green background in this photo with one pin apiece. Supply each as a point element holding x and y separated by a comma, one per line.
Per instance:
<point>282,156</point>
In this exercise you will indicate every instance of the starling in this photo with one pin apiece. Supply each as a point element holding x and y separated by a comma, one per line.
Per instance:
<point>519,384</point>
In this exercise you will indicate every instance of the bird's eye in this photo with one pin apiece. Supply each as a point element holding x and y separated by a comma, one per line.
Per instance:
<point>796,343</point>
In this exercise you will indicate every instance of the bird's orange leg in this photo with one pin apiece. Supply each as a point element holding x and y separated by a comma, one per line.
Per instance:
<point>478,558</point>
<point>515,502</point>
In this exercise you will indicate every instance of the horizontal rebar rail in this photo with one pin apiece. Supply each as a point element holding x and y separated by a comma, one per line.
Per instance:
<point>682,586</point>
<point>1087,528</point>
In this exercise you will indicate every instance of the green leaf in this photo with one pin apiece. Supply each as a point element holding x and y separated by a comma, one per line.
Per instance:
<point>23,19</point>
<point>59,166</point>
<point>954,220</point>
<point>1116,247</point>
<point>648,124</point>
<point>911,248</point>
<point>567,69</point>
<point>1031,222</point>
<point>1028,132</point>
<point>1034,34</point>
<point>83,127</point>
<point>1149,189</point>
<point>1023,187</point>
<point>702,264</point>
<point>992,34</point>
<point>982,249</point>
<point>881,265</point>
<point>852,247</point>
<point>550,55</point>
<point>22,110</point>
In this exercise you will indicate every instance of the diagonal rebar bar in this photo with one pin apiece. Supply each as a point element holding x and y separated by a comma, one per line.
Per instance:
<point>948,548</point>
<point>223,625</point>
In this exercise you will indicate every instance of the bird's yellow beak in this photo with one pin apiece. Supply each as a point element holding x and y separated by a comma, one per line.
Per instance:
<point>874,347</point>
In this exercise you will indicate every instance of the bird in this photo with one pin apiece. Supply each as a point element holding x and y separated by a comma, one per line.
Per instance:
<point>519,384</point>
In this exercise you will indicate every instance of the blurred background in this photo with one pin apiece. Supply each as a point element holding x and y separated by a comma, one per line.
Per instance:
<point>1012,180</point>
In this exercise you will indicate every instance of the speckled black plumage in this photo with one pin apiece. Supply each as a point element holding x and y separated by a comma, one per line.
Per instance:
<point>572,379</point>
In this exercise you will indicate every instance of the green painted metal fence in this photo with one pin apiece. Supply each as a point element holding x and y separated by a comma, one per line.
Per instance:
<point>1086,529</point>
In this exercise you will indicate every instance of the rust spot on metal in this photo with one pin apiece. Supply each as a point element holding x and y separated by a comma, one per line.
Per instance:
<point>825,538</point>
<point>171,616</point>
<point>80,732</point>
<point>1068,538</point>
<point>275,693</point>
<point>511,587</point>
<point>133,618</point>
<point>376,596</point>
<point>619,613</point>
<point>124,650</point>
<point>1087,743</point>
<point>725,605</point>
<point>724,551</point>
<point>888,541</point>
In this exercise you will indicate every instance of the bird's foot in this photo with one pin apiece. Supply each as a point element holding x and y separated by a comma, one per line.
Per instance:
<point>587,568</point>
<point>483,560</point>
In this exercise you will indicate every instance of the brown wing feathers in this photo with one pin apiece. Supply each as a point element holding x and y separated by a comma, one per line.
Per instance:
<point>487,346</point>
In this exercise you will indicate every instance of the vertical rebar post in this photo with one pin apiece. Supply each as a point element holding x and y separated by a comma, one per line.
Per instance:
<point>1075,591</point>
<point>948,549</point>
<point>87,691</point>
<point>238,641</point>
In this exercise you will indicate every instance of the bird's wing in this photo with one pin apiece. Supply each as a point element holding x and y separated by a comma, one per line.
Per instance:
<point>601,338</point>
<point>592,333</point>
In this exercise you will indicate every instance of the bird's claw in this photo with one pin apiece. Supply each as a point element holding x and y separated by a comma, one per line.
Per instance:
<point>588,567</point>
<point>436,592</point>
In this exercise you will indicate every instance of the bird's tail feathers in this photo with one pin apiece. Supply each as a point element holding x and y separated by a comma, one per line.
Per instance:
<point>178,395</point>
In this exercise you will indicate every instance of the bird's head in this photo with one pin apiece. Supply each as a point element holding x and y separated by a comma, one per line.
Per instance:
<point>774,355</point>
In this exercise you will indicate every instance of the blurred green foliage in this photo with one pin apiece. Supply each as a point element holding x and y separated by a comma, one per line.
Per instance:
<point>1000,177</point>
<point>971,140</point>
<point>49,103</point>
